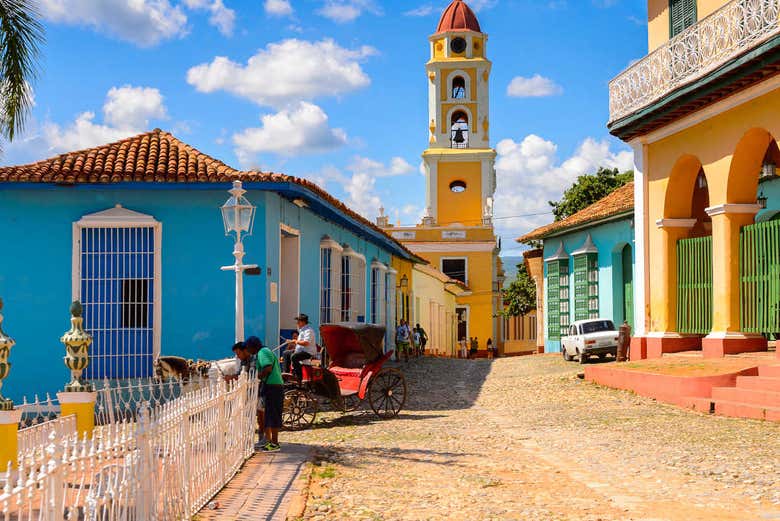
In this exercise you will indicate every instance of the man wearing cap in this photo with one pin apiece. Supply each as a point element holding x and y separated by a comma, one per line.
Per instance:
<point>305,345</point>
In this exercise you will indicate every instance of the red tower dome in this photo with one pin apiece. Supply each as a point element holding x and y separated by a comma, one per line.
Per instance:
<point>458,17</point>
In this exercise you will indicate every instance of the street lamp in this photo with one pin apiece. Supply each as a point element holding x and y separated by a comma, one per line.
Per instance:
<point>238,215</point>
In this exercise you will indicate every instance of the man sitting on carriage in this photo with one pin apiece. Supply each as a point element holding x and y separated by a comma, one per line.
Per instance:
<point>305,345</point>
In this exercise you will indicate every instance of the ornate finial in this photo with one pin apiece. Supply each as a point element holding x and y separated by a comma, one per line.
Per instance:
<point>6,343</point>
<point>77,342</point>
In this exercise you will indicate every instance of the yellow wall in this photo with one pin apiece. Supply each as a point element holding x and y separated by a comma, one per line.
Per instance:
<point>464,207</point>
<point>435,312</point>
<point>404,268</point>
<point>729,147</point>
<point>658,18</point>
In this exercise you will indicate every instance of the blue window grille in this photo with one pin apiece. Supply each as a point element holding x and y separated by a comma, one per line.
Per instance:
<point>117,291</point>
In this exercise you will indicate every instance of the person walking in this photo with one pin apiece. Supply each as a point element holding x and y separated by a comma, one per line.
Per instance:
<point>490,351</point>
<point>402,340</point>
<point>273,397</point>
<point>474,348</point>
<point>423,338</point>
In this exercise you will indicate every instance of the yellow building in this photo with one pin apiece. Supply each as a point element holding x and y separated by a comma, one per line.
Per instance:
<point>434,307</point>
<point>702,114</point>
<point>456,235</point>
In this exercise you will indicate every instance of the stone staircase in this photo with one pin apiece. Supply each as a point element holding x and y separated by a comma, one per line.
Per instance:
<point>755,397</point>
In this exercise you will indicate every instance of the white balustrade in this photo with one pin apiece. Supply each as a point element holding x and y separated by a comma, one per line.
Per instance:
<point>162,463</point>
<point>736,27</point>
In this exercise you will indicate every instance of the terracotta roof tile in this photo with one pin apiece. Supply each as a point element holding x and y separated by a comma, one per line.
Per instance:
<point>157,156</point>
<point>618,202</point>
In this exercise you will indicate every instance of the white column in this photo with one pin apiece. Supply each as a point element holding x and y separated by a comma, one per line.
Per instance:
<point>641,289</point>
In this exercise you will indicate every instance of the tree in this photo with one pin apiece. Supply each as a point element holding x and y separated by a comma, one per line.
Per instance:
<point>588,189</point>
<point>20,37</point>
<point>520,296</point>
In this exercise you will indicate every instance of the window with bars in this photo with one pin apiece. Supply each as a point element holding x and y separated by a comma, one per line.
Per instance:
<point>330,268</point>
<point>378,293</point>
<point>390,281</point>
<point>682,14</point>
<point>586,286</point>
<point>353,272</point>
<point>115,281</point>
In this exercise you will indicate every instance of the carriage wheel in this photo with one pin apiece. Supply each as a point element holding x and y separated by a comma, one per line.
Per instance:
<point>387,393</point>
<point>300,410</point>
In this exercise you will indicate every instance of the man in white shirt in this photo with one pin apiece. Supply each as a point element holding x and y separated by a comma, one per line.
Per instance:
<point>305,345</point>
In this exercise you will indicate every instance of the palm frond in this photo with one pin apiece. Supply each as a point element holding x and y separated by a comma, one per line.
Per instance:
<point>20,37</point>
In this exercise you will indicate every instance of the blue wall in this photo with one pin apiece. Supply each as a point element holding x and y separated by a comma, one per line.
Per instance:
<point>197,298</point>
<point>609,238</point>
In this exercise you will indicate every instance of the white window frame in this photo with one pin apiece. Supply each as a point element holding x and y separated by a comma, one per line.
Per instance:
<point>391,277</point>
<point>119,217</point>
<point>465,268</point>
<point>357,286</point>
<point>335,279</point>
<point>378,293</point>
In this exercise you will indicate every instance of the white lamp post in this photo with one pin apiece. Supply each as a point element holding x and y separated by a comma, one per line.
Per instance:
<point>238,214</point>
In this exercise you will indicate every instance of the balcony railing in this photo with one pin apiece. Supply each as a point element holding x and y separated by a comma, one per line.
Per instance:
<point>734,28</point>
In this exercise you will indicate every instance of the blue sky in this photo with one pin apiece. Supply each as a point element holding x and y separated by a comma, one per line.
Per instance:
<point>335,90</point>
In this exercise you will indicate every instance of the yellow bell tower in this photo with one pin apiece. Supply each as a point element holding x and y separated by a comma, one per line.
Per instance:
<point>456,234</point>
<point>459,163</point>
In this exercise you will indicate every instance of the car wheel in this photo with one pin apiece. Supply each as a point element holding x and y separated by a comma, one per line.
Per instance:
<point>602,356</point>
<point>583,358</point>
<point>566,355</point>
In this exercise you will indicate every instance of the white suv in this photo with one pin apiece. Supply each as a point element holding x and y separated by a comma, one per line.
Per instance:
<point>596,336</point>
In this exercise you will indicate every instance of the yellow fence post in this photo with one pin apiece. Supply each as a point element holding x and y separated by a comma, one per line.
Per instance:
<point>79,396</point>
<point>9,417</point>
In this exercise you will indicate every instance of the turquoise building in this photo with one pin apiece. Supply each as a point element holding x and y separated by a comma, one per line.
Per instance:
<point>588,265</point>
<point>133,230</point>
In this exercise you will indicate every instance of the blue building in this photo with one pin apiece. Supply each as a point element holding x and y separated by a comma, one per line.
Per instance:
<point>588,265</point>
<point>133,230</point>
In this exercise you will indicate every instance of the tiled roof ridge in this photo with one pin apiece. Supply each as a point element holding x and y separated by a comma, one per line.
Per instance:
<point>157,156</point>
<point>620,200</point>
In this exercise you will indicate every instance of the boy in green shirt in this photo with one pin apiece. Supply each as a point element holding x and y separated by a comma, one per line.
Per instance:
<point>271,392</point>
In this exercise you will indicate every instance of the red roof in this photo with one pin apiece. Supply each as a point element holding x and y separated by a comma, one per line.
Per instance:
<point>458,17</point>
<point>156,157</point>
<point>620,201</point>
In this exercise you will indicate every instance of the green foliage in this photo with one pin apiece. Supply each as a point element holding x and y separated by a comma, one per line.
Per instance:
<point>520,296</point>
<point>20,36</point>
<point>588,189</point>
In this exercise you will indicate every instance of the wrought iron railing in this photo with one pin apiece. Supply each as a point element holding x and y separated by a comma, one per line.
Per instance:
<point>728,32</point>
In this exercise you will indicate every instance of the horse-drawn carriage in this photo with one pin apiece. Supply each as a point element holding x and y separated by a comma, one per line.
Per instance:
<point>351,372</point>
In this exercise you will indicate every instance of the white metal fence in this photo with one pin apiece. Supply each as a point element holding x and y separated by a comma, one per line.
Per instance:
<point>165,465</point>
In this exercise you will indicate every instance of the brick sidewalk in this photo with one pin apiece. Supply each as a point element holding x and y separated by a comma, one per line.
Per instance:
<point>263,488</point>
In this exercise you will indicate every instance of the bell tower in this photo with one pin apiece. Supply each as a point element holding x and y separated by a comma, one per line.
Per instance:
<point>459,163</point>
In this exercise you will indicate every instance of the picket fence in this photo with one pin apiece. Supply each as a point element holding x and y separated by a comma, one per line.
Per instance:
<point>163,463</point>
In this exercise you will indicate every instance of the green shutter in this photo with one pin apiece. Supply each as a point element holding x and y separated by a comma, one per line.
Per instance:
<point>580,287</point>
<point>563,297</point>
<point>682,14</point>
<point>694,285</point>
<point>553,309</point>
<point>760,276</point>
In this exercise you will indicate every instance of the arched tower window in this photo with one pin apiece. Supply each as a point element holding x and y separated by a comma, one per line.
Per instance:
<point>458,87</point>
<point>459,130</point>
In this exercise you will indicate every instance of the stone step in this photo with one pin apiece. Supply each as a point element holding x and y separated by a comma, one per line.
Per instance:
<point>748,396</point>
<point>765,383</point>
<point>746,410</point>
<point>769,370</point>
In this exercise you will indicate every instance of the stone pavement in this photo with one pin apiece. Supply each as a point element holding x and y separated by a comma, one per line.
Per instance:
<point>525,439</point>
<point>263,489</point>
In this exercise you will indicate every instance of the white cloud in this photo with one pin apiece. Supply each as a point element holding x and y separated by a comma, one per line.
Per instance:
<point>343,11</point>
<point>278,7</point>
<point>143,22</point>
<point>133,107</point>
<point>285,72</point>
<point>222,17</point>
<point>126,111</point>
<point>397,166</point>
<point>533,87</point>
<point>301,129</point>
<point>423,10</point>
<point>528,175</point>
<point>479,5</point>
<point>362,195</point>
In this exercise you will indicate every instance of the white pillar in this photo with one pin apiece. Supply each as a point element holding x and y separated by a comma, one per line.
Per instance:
<point>641,289</point>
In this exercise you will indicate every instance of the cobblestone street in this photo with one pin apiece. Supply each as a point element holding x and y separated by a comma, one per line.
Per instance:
<point>524,438</point>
